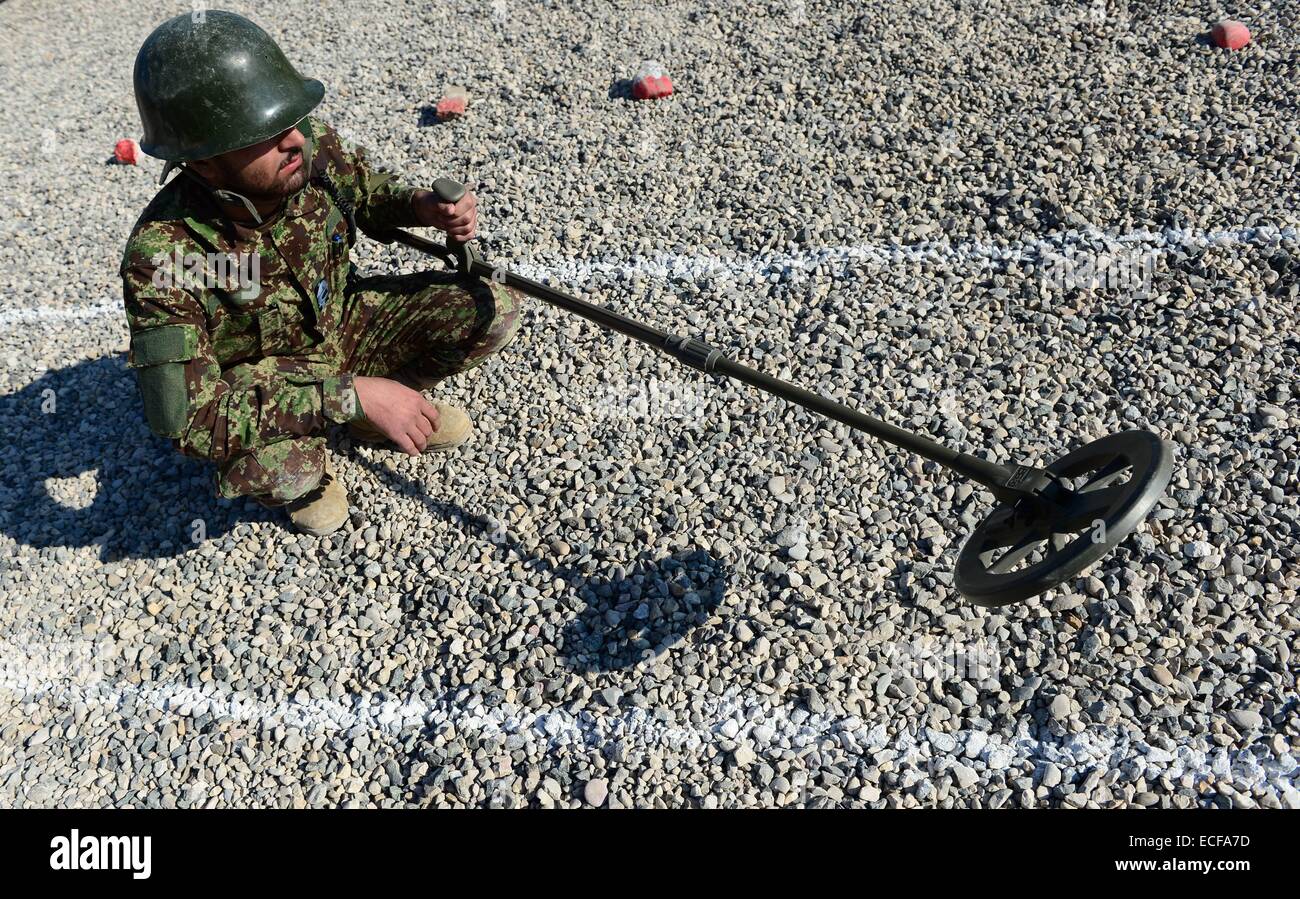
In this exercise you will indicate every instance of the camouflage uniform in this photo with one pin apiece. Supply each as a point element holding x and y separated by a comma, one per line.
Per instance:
<point>253,378</point>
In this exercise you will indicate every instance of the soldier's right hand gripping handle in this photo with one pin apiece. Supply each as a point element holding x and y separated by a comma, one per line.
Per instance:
<point>450,191</point>
<point>695,353</point>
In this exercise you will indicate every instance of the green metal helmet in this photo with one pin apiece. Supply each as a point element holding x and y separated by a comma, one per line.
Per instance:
<point>207,83</point>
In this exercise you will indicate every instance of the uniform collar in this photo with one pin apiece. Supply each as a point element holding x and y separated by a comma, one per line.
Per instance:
<point>210,221</point>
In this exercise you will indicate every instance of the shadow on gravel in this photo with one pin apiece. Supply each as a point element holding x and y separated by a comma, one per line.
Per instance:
<point>643,609</point>
<point>429,116</point>
<point>631,610</point>
<point>79,467</point>
<point>621,89</point>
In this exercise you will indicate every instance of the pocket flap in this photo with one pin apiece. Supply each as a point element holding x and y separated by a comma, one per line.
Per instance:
<point>170,343</point>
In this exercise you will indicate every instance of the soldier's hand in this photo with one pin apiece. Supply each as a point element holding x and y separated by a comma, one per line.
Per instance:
<point>402,414</point>
<point>459,220</point>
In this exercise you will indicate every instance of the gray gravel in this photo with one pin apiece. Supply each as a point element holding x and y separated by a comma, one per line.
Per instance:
<point>637,587</point>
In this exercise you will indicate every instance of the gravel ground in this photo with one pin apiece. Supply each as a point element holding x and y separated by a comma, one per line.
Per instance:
<point>637,587</point>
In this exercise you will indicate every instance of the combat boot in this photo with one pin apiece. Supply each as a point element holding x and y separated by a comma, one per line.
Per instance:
<point>454,428</point>
<point>324,509</point>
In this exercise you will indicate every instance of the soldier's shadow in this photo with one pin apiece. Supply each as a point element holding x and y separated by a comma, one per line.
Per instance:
<point>79,467</point>
<point>632,609</point>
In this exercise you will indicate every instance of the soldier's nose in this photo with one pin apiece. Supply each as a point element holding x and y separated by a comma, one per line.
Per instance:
<point>291,140</point>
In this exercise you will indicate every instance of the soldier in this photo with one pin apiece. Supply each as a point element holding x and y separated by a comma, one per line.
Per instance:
<point>250,332</point>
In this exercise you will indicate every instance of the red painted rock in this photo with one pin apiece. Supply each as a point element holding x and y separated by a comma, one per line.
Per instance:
<point>651,82</point>
<point>126,152</point>
<point>453,103</point>
<point>1230,34</point>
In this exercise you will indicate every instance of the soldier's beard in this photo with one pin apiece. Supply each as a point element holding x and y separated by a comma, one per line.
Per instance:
<point>273,187</point>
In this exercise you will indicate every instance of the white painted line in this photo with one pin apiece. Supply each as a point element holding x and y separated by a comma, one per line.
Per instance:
<point>767,728</point>
<point>667,266</point>
<point>40,315</point>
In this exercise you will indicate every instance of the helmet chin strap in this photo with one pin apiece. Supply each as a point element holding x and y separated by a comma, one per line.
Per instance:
<point>229,196</point>
<point>225,196</point>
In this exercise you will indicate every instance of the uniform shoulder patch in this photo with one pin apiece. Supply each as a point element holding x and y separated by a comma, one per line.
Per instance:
<point>169,343</point>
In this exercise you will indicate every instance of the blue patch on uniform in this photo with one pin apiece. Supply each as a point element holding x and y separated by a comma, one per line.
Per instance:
<point>337,237</point>
<point>322,293</point>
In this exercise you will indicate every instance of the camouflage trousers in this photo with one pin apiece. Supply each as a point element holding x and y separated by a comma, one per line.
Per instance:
<point>428,325</point>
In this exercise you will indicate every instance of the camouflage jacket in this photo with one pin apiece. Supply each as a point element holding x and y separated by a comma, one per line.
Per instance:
<point>226,362</point>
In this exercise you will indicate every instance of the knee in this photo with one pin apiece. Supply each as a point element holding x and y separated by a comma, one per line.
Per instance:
<point>503,326</point>
<point>279,472</point>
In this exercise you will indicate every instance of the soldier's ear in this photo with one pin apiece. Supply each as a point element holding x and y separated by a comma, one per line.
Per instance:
<point>204,168</point>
